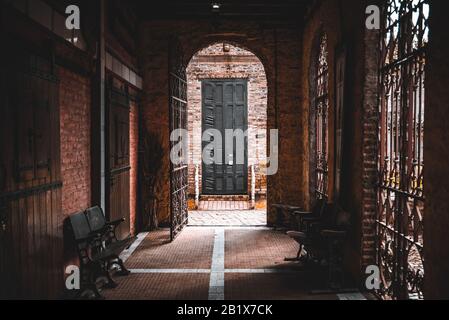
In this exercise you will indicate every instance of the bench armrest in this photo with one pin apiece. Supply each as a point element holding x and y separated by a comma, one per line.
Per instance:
<point>116,223</point>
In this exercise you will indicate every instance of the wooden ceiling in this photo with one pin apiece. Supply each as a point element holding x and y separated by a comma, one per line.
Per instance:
<point>229,9</point>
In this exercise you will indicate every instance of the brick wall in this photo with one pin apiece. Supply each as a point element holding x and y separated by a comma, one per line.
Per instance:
<point>278,48</point>
<point>133,144</point>
<point>74,98</point>
<point>214,63</point>
<point>358,190</point>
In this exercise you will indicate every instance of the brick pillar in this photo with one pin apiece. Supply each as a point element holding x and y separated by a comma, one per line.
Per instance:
<point>370,119</point>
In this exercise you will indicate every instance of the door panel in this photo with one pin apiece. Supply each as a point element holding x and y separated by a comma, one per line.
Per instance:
<point>225,108</point>
<point>30,189</point>
<point>118,108</point>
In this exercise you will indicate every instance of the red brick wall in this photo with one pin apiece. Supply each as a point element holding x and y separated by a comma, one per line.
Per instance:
<point>75,100</point>
<point>133,144</point>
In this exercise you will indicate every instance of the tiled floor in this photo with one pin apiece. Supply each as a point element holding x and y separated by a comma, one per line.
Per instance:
<point>223,205</point>
<point>217,263</point>
<point>228,218</point>
<point>160,286</point>
<point>258,249</point>
<point>191,250</point>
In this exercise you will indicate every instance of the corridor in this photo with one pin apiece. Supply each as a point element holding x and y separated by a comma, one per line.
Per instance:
<point>207,263</point>
<point>197,130</point>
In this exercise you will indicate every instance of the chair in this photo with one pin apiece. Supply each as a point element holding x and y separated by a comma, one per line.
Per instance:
<point>112,246</point>
<point>323,239</point>
<point>88,244</point>
<point>283,213</point>
<point>304,221</point>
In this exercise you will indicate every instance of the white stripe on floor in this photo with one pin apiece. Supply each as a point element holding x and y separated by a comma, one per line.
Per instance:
<point>143,271</point>
<point>216,284</point>
<point>264,228</point>
<point>127,253</point>
<point>243,271</point>
<point>351,296</point>
<point>260,271</point>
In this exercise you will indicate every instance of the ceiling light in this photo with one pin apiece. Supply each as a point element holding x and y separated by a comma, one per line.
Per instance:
<point>216,7</point>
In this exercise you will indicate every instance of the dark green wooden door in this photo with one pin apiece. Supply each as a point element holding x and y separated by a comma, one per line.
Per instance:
<point>225,107</point>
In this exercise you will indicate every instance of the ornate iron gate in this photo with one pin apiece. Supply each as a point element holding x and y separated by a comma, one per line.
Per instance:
<point>321,120</point>
<point>178,120</point>
<point>401,162</point>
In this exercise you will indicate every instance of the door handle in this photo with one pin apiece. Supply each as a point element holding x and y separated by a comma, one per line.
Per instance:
<point>3,225</point>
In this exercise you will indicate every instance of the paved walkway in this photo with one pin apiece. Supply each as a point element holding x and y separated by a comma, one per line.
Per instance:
<point>228,218</point>
<point>217,264</point>
<point>217,205</point>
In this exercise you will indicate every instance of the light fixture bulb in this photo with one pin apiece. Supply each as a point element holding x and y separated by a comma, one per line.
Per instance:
<point>216,6</point>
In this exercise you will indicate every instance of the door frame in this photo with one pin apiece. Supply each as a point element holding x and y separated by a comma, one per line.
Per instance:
<point>246,124</point>
<point>112,173</point>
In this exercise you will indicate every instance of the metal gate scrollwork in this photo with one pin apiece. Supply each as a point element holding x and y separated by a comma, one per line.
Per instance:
<point>401,162</point>
<point>321,120</point>
<point>178,120</point>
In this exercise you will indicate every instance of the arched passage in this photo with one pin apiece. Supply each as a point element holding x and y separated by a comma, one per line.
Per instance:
<point>224,69</point>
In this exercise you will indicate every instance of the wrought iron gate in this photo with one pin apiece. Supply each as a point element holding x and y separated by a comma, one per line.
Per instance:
<point>321,120</point>
<point>401,162</point>
<point>178,120</point>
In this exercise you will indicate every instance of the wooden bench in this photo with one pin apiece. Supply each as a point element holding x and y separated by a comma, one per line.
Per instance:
<point>322,236</point>
<point>98,249</point>
<point>283,215</point>
<point>304,219</point>
<point>112,246</point>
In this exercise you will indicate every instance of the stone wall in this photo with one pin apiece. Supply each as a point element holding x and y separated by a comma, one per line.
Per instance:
<point>237,63</point>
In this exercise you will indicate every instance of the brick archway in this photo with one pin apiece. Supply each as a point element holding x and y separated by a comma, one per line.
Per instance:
<point>228,61</point>
<point>277,49</point>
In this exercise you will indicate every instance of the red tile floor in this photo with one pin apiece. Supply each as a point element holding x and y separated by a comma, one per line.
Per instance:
<point>217,263</point>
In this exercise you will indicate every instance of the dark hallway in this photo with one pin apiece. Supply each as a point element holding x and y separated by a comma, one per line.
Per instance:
<point>186,149</point>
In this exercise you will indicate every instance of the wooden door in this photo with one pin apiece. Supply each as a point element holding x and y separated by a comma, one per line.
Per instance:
<point>30,187</point>
<point>118,161</point>
<point>225,108</point>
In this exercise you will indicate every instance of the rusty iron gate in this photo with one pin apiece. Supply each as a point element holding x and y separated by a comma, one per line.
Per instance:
<point>321,120</point>
<point>404,41</point>
<point>178,120</point>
